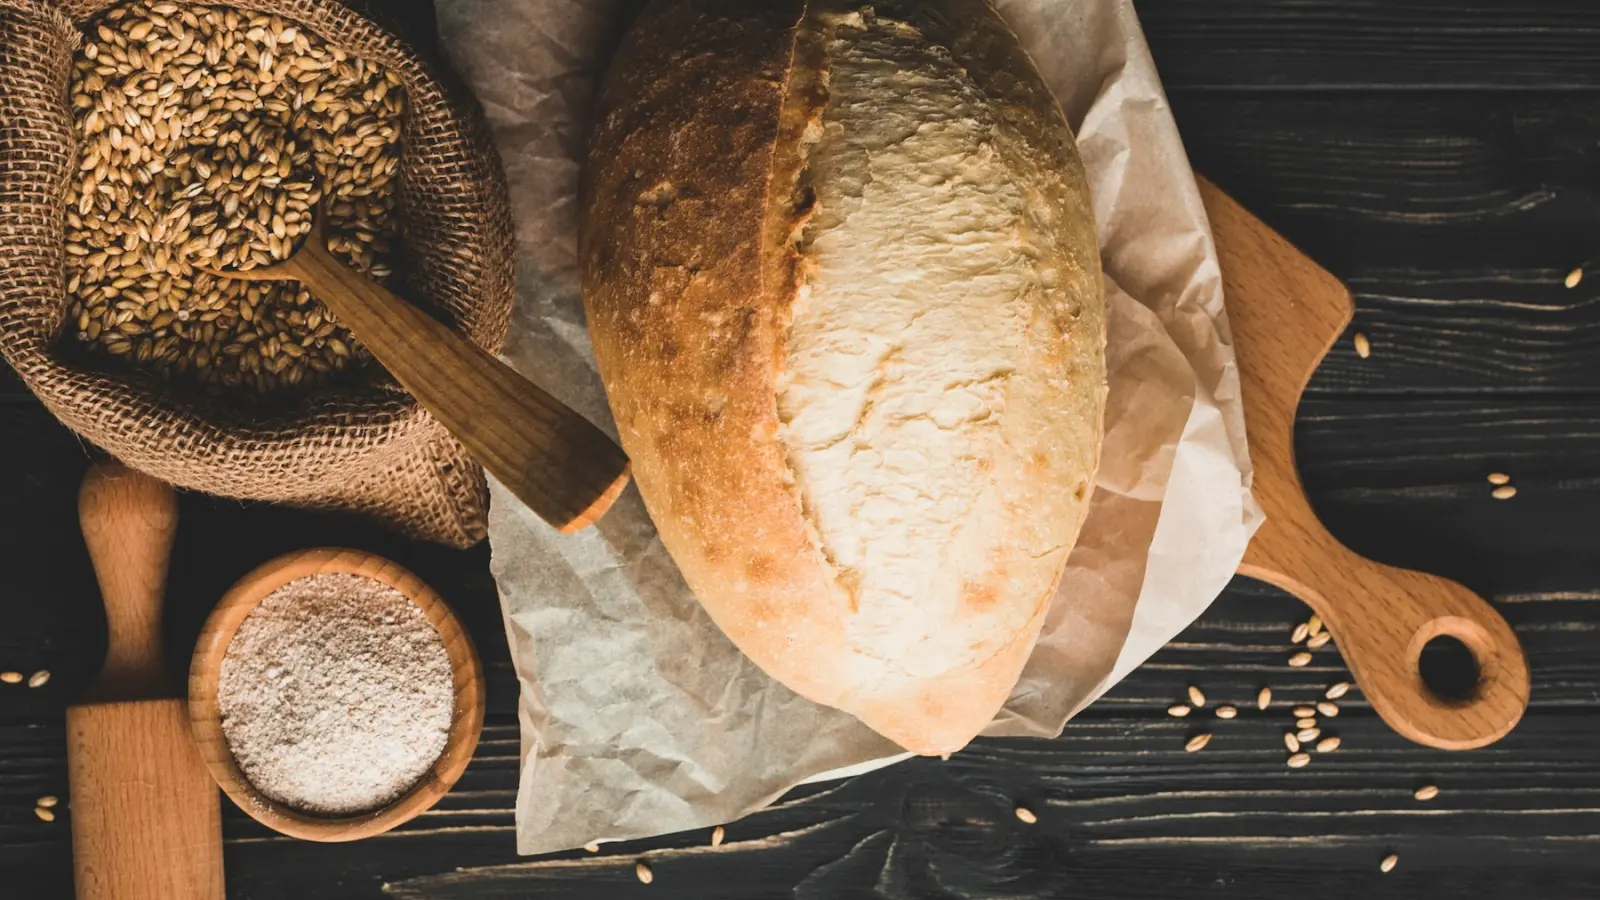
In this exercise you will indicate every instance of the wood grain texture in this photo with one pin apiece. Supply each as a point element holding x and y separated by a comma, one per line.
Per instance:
<point>1112,798</point>
<point>1284,312</point>
<point>145,822</point>
<point>1439,182</point>
<point>548,456</point>
<point>1403,482</point>
<point>1426,327</point>
<point>145,819</point>
<point>1451,207</point>
<point>205,712</point>
<point>129,522</point>
<point>1509,796</point>
<point>1342,45</point>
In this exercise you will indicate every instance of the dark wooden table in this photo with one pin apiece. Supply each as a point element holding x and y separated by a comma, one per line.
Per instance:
<point>1441,157</point>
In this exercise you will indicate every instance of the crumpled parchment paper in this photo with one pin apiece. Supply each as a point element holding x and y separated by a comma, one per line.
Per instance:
<point>638,717</point>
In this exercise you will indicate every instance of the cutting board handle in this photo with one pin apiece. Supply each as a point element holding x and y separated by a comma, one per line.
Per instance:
<point>1285,312</point>
<point>1382,618</point>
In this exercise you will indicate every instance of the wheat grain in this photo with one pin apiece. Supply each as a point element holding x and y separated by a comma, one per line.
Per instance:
<point>206,139</point>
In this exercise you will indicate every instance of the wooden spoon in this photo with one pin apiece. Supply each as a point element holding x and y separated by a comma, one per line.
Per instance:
<point>564,468</point>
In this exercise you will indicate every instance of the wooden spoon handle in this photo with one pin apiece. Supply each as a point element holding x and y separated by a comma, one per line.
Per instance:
<point>129,520</point>
<point>1284,312</point>
<point>564,468</point>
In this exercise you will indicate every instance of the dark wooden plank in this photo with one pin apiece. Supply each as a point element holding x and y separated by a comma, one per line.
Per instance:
<point>1115,797</point>
<point>1403,482</point>
<point>1111,794</point>
<point>1435,182</point>
<point>33,764</point>
<point>1117,780</point>
<point>1468,331</point>
<point>1455,220</point>
<point>1323,45</point>
<point>49,607</point>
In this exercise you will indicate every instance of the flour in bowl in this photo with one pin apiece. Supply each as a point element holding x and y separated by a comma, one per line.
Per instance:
<point>336,695</point>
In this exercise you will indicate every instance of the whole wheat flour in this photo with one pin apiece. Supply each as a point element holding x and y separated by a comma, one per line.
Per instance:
<point>336,695</point>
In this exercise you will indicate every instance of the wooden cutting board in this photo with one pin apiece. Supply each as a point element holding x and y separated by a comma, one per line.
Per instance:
<point>1285,313</point>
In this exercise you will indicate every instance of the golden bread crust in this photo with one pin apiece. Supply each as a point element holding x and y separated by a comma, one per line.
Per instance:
<point>695,201</point>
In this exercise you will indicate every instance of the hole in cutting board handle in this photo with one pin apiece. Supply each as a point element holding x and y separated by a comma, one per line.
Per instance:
<point>1449,670</point>
<point>1450,656</point>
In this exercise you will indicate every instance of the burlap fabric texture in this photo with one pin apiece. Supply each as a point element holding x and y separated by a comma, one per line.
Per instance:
<point>365,446</point>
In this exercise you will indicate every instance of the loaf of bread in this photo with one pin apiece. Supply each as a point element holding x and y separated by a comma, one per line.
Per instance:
<point>841,275</point>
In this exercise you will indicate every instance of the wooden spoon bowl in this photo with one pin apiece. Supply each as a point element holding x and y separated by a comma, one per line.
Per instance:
<point>205,714</point>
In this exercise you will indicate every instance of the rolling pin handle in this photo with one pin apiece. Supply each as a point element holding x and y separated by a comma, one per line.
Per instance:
<point>129,521</point>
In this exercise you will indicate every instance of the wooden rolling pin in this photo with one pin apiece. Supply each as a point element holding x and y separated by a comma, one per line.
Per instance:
<point>146,819</point>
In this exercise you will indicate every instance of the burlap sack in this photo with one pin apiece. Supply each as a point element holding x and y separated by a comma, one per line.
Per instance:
<point>364,446</point>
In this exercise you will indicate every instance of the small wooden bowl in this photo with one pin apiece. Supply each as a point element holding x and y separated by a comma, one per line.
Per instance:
<point>205,715</point>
